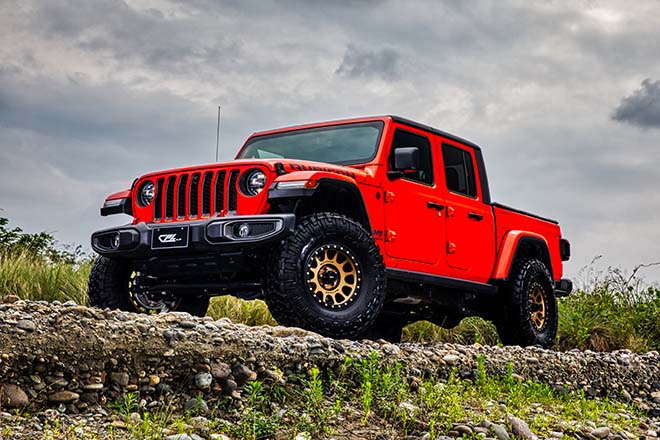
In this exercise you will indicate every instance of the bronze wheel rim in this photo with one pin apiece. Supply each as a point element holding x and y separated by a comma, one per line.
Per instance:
<point>537,307</point>
<point>150,302</point>
<point>333,276</point>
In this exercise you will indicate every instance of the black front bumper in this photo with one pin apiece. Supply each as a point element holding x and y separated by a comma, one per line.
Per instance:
<point>222,234</point>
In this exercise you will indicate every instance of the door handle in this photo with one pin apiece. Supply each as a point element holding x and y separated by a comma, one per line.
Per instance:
<point>434,205</point>
<point>475,216</point>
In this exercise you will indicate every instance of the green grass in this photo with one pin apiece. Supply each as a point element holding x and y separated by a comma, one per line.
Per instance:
<point>369,394</point>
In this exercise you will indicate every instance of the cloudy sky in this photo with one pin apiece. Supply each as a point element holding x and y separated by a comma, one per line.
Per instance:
<point>563,96</point>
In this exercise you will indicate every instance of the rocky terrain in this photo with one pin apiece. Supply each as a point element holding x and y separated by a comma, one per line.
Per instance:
<point>73,367</point>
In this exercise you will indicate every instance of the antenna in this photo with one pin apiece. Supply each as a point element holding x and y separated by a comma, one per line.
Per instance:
<point>217,137</point>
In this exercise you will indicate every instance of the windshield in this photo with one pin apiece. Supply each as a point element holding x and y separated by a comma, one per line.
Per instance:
<point>338,144</point>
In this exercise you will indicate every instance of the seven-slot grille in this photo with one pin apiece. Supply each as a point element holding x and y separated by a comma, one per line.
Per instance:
<point>195,195</point>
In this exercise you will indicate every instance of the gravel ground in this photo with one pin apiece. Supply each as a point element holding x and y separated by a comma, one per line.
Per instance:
<point>68,361</point>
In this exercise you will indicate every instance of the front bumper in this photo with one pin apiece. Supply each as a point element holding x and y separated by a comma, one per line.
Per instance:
<point>145,240</point>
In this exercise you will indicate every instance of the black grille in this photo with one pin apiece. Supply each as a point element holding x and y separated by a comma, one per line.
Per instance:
<point>196,195</point>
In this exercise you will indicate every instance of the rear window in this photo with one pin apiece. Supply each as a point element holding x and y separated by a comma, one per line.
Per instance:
<point>459,171</point>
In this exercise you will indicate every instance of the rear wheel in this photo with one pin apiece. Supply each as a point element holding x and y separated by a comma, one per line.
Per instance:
<point>327,277</point>
<point>115,284</point>
<point>529,313</point>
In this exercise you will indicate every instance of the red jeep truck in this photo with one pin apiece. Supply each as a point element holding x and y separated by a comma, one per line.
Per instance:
<point>350,228</point>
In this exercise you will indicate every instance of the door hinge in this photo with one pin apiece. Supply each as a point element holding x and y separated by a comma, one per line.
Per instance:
<point>451,247</point>
<point>390,235</point>
<point>389,196</point>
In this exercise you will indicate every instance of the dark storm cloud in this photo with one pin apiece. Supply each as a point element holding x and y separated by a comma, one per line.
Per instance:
<point>364,63</point>
<point>642,108</point>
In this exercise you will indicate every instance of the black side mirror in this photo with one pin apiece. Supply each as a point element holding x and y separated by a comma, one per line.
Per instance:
<point>406,159</point>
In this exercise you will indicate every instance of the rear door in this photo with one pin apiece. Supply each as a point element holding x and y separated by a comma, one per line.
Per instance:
<point>413,204</point>
<point>469,221</point>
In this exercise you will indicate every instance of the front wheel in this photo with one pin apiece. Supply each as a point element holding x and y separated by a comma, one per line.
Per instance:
<point>327,277</point>
<point>529,312</point>
<point>115,284</point>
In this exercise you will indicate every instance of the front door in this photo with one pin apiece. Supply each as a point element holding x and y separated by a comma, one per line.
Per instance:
<point>413,206</point>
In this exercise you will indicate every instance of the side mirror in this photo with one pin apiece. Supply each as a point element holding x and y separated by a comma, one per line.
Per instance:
<point>406,159</point>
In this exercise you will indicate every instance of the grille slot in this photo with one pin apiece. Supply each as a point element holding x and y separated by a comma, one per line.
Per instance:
<point>220,191</point>
<point>193,206</point>
<point>181,196</point>
<point>169,198</point>
<point>206,193</point>
<point>233,191</point>
<point>158,204</point>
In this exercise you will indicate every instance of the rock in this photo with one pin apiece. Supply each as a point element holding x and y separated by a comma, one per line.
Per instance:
<point>220,370</point>
<point>521,429</point>
<point>219,437</point>
<point>63,397</point>
<point>10,299</point>
<point>12,396</point>
<point>463,429</point>
<point>119,378</point>
<point>196,405</point>
<point>203,380</point>
<point>500,432</point>
<point>451,359</point>
<point>187,324</point>
<point>601,432</point>
<point>154,380</point>
<point>27,325</point>
<point>241,373</point>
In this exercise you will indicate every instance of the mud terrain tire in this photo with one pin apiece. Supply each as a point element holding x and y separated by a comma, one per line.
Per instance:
<point>109,287</point>
<point>328,276</point>
<point>529,315</point>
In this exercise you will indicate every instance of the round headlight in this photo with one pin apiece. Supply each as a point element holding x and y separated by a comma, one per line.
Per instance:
<point>255,182</point>
<point>146,194</point>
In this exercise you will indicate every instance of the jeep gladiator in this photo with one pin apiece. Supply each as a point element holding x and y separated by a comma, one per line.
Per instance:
<point>351,228</point>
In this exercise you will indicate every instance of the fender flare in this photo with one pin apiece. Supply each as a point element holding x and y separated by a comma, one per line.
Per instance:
<point>510,247</point>
<point>319,181</point>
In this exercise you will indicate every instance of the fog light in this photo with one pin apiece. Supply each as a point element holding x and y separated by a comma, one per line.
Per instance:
<point>115,241</point>
<point>244,230</point>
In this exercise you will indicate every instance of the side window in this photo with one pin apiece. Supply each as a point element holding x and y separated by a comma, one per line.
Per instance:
<point>459,172</point>
<point>404,139</point>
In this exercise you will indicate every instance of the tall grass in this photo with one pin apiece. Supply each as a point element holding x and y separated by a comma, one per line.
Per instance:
<point>30,277</point>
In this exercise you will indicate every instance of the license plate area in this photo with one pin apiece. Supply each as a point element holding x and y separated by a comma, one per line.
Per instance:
<point>172,237</point>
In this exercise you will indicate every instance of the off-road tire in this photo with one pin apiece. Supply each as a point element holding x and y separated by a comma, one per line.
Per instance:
<point>515,325</point>
<point>288,297</point>
<point>108,288</point>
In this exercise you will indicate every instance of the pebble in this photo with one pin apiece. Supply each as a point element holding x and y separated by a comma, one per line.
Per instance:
<point>203,380</point>
<point>500,432</point>
<point>601,432</point>
<point>64,397</point>
<point>27,325</point>
<point>520,428</point>
<point>120,379</point>
<point>13,396</point>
